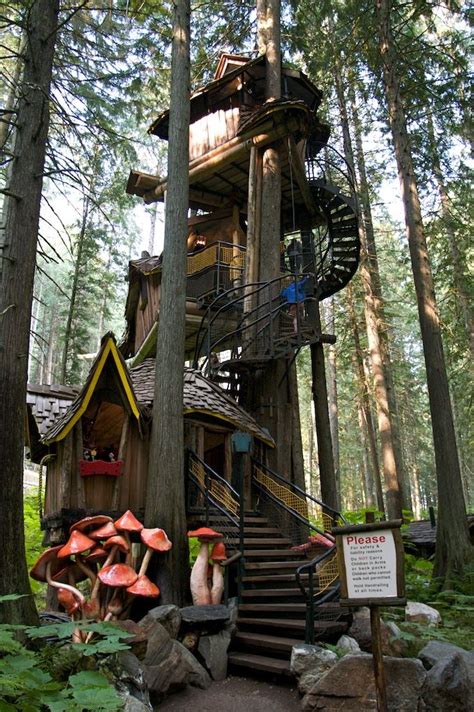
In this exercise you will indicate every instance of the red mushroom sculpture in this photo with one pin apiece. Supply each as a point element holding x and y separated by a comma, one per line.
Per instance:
<point>200,591</point>
<point>218,555</point>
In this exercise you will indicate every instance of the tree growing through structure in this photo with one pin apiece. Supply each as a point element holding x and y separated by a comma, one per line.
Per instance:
<point>165,504</point>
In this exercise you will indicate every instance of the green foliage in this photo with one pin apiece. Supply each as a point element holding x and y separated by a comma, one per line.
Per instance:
<point>194,546</point>
<point>33,535</point>
<point>357,516</point>
<point>52,676</point>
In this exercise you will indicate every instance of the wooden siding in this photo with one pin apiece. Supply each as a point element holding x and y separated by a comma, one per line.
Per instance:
<point>212,130</point>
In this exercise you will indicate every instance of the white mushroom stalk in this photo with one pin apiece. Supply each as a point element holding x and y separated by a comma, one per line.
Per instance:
<point>199,588</point>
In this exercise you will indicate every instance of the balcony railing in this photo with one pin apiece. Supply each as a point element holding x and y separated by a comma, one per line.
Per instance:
<point>214,270</point>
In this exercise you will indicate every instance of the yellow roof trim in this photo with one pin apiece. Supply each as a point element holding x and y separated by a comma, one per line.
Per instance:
<point>234,422</point>
<point>109,348</point>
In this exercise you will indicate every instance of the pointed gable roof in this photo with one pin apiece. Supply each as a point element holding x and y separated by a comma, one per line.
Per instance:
<point>108,357</point>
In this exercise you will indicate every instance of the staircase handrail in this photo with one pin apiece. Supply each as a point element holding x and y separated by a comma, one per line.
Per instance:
<point>207,494</point>
<point>302,492</point>
<point>246,291</point>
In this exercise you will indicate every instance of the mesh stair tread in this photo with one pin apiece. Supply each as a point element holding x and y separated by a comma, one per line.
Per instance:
<point>269,642</point>
<point>321,627</point>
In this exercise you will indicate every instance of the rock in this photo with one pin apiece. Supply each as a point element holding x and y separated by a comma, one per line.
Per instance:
<point>137,639</point>
<point>159,645</point>
<point>397,647</point>
<point>348,645</point>
<point>167,616</point>
<point>449,685</point>
<point>437,650</point>
<point>361,632</point>
<point>213,650</point>
<point>129,680</point>
<point>233,606</point>
<point>309,663</point>
<point>176,670</point>
<point>349,686</point>
<point>205,616</point>
<point>421,613</point>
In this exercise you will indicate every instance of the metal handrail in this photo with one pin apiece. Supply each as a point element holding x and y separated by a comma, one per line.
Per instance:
<point>300,491</point>
<point>244,292</point>
<point>206,491</point>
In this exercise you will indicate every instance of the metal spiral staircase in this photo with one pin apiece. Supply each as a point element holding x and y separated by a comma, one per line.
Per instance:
<point>281,563</point>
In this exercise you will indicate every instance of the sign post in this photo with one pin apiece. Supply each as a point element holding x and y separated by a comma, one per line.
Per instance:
<point>370,562</point>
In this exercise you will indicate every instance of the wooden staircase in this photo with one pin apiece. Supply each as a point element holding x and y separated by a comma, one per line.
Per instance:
<point>272,613</point>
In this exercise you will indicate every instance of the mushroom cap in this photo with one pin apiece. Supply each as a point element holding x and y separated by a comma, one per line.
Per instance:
<point>117,540</point>
<point>70,572</point>
<point>128,523</point>
<point>156,539</point>
<point>76,544</point>
<point>205,534</point>
<point>119,575</point>
<point>97,556</point>
<point>144,587</point>
<point>218,552</point>
<point>95,521</point>
<point>38,571</point>
<point>68,601</point>
<point>103,532</point>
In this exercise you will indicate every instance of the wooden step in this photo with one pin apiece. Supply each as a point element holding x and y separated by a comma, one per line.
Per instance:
<point>270,579</point>
<point>321,628</point>
<point>263,608</point>
<point>248,531</point>
<point>269,642</point>
<point>260,662</point>
<point>262,541</point>
<point>273,554</point>
<point>271,592</point>
<point>273,565</point>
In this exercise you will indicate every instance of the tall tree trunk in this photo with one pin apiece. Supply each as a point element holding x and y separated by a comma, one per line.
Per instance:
<point>377,301</point>
<point>165,505</point>
<point>453,548</point>
<point>458,272</point>
<point>391,475</point>
<point>22,213</point>
<point>331,382</point>
<point>366,410</point>
<point>75,283</point>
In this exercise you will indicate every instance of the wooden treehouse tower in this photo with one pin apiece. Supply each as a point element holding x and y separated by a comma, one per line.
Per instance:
<point>253,294</point>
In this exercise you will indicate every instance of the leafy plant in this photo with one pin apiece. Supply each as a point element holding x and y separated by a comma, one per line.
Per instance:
<point>33,535</point>
<point>50,677</point>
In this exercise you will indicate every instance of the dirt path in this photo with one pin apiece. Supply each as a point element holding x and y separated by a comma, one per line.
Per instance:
<point>235,694</point>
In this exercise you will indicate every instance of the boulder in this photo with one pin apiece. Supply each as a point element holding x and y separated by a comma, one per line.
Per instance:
<point>346,644</point>
<point>137,639</point>
<point>213,651</point>
<point>449,685</point>
<point>233,607</point>
<point>421,613</point>
<point>207,616</point>
<point>174,671</point>
<point>349,686</point>
<point>159,645</point>
<point>437,650</point>
<point>129,680</point>
<point>397,647</point>
<point>167,616</point>
<point>309,663</point>
<point>360,630</point>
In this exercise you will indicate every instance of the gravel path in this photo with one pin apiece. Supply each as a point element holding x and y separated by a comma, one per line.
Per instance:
<point>235,694</point>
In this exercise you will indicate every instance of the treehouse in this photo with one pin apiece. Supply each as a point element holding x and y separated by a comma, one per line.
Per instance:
<point>95,443</point>
<point>230,124</point>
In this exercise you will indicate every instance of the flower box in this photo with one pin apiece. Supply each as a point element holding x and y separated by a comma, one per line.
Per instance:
<point>87,468</point>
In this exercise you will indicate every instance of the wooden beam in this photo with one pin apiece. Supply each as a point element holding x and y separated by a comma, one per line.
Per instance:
<point>297,169</point>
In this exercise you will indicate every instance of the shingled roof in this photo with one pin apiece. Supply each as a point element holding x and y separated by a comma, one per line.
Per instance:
<point>48,403</point>
<point>200,396</point>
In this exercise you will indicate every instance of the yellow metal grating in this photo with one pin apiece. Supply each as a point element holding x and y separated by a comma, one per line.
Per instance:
<point>284,494</point>
<point>216,489</point>
<point>327,574</point>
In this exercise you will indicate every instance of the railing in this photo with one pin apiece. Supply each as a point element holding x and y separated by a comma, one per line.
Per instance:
<point>249,320</point>
<point>307,522</point>
<point>209,493</point>
<point>214,270</point>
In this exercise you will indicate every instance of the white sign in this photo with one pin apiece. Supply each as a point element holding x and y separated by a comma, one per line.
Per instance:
<point>371,564</point>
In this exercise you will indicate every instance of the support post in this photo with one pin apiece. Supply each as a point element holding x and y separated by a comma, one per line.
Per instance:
<point>379,673</point>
